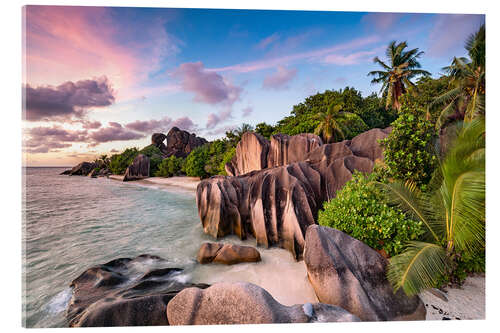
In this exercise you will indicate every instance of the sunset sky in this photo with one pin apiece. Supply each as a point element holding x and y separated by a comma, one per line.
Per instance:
<point>98,80</point>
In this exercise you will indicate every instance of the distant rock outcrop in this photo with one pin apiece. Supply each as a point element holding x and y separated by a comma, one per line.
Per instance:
<point>139,168</point>
<point>276,205</point>
<point>179,143</point>
<point>348,273</point>
<point>112,295</point>
<point>82,169</point>
<point>245,303</point>
<point>228,254</point>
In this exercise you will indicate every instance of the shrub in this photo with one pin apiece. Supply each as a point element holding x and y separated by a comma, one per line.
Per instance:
<point>196,161</point>
<point>408,150</point>
<point>361,211</point>
<point>171,166</point>
<point>120,162</point>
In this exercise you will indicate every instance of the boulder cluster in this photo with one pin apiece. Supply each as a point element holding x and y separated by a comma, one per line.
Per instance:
<point>276,187</point>
<point>179,143</point>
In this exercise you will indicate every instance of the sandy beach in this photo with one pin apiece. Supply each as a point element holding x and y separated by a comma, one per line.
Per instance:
<point>186,183</point>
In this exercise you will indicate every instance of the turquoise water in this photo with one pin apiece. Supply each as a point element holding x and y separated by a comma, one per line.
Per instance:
<point>72,223</point>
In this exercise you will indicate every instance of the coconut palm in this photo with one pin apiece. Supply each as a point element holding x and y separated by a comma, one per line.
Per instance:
<point>396,76</point>
<point>329,126</point>
<point>465,99</point>
<point>453,213</point>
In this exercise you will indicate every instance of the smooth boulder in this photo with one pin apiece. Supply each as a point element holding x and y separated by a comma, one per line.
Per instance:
<point>228,254</point>
<point>251,155</point>
<point>82,169</point>
<point>348,273</point>
<point>139,168</point>
<point>285,149</point>
<point>244,303</point>
<point>180,143</point>
<point>112,295</point>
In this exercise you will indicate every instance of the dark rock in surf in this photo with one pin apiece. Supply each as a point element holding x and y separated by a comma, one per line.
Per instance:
<point>82,169</point>
<point>228,254</point>
<point>348,273</point>
<point>112,295</point>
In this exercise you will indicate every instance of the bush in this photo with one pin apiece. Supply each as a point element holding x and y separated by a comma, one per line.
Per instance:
<point>120,162</point>
<point>408,150</point>
<point>196,161</point>
<point>361,211</point>
<point>171,166</point>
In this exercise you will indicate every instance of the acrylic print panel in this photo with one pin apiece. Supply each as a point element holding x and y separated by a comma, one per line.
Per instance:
<point>209,166</point>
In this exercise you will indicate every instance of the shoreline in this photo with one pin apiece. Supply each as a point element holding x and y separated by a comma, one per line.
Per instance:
<point>182,182</point>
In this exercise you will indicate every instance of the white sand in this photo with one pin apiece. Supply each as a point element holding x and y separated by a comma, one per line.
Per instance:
<point>116,177</point>
<point>189,183</point>
<point>467,302</point>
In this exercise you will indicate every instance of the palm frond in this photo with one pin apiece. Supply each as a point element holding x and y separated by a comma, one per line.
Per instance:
<point>419,267</point>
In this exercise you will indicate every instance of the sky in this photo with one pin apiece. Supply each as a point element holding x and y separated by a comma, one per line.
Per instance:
<point>97,80</point>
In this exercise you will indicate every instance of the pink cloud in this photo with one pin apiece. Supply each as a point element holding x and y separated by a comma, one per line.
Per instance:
<point>315,55</point>
<point>246,112</point>
<point>264,43</point>
<point>280,78</point>
<point>67,100</point>
<point>115,132</point>
<point>350,59</point>
<point>161,125</point>
<point>207,86</point>
<point>215,119</point>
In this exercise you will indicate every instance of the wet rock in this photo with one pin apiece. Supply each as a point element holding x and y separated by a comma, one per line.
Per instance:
<point>243,303</point>
<point>139,168</point>
<point>228,254</point>
<point>66,172</point>
<point>347,273</point>
<point>117,294</point>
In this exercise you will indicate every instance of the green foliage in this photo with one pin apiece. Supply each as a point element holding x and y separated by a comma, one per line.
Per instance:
<point>264,129</point>
<point>453,213</point>
<point>217,151</point>
<point>155,157</point>
<point>374,114</point>
<point>119,162</point>
<point>234,136</point>
<point>170,166</point>
<point>408,150</point>
<point>361,211</point>
<point>196,161</point>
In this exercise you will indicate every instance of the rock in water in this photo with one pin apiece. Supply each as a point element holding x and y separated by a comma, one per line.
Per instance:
<point>348,273</point>
<point>82,169</point>
<point>180,143</point>
<point>243,303</point>
<point>276,205</point>
<point>111,295</point>
<point>228,254</point>
<point>139,168</point>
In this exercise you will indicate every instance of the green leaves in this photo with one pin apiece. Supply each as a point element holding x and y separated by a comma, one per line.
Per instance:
<point>361,211</point>
<point>170,166</point>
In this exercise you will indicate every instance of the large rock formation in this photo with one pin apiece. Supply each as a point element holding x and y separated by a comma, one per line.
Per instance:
<point>348,273</point>
<point>244,303</point>
<point>112,295</point>
<point>139,168</point>
<point>285,149</point>
<point>157,139</point>
<point>251,154</point>
<point>180,143</point>
<point>276,205</point>
<point>228,254</point>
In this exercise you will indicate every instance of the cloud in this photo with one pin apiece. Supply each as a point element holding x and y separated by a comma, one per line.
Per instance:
<point>207,86</point>
<point>247,111</point>
<point>264,43</point>
<point>279,79</point>
<point>214,119</point>
<point>450,31</point>
<point>89,124</point>
<point>161,125</point>
<point>45,139</point>
<point>221,130</point>
<point>381,21</point>
<point>114,132</point>
<point>350,59</point>
<point>67,100</point>
<point>315,55</point>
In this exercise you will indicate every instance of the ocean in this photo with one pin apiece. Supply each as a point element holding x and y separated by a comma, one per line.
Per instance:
<point>73,223</point>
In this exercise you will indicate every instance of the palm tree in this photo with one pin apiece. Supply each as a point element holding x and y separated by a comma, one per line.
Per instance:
<point>453,213</point>
<point>465,99</point>
<point>329,125</point>
<point>396,77</point>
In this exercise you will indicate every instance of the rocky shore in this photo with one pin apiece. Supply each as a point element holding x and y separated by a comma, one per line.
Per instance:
<point>272,195</point>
